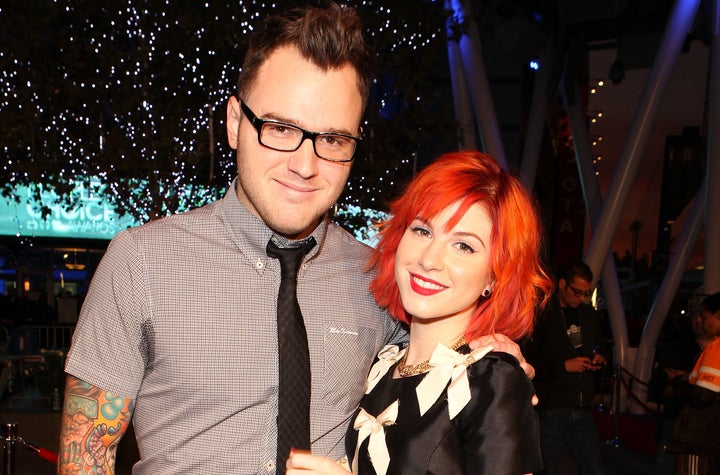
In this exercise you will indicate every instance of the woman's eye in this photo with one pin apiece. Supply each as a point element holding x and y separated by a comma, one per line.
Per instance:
<point>419,230</point>
<point>465,247</point>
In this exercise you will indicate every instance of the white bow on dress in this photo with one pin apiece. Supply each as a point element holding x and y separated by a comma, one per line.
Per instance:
<point>448,365</point>
<point>367,425</point>
<point>387,357</point>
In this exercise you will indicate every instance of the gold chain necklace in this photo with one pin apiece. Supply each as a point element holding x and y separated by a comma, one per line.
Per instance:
<point>424,366</point>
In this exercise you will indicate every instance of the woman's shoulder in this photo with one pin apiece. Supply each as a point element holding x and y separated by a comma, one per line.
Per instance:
<point>500,357</point>
<point>498,381</point>
<point>497,364</point>
<point>490,358</point>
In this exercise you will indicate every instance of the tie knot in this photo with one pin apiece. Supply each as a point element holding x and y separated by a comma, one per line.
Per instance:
<point>290,257</point>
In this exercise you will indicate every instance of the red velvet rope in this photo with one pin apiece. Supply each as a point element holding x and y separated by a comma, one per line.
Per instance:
<point>626,385</point>
<point>41,452</point>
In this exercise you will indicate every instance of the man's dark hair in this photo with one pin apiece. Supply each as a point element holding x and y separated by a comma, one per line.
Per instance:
<point>329,37</point>
<point>575,269</point>
<point>711,303</point>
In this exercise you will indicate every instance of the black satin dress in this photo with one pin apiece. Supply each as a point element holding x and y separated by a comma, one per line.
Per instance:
<point>496,433</point>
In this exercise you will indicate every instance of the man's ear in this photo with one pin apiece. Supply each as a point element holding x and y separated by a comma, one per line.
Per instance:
<point>232,121</point>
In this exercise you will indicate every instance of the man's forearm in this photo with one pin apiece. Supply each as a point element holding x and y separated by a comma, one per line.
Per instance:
<point>93,423</point>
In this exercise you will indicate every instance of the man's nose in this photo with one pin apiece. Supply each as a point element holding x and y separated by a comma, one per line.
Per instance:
<point>304,160</point>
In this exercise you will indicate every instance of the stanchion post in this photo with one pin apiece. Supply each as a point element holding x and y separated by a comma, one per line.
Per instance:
<point>616,441</point>
<point>9,434</point>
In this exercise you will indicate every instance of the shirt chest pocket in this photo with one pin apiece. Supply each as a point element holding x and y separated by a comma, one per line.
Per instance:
<point>349,353</point>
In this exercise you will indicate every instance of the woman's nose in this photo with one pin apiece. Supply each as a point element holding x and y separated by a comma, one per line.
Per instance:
<point>431,257</point>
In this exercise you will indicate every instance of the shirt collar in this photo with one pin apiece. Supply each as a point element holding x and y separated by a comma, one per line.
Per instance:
<point>251,235</point>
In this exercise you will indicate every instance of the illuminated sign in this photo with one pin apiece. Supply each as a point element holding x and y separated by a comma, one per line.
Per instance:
<point>94,217</point>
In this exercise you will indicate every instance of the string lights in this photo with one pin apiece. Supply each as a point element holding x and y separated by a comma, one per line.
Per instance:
<point>133,94</point>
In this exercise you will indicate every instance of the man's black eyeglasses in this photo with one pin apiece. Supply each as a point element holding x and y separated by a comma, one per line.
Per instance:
<point>578,292</point>
<point>284,137</point>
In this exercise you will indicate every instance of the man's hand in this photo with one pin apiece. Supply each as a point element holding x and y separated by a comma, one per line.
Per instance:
<point>676,373</point>
<point>598,360</point>
<point>580,364</point>
<point>500,342</point>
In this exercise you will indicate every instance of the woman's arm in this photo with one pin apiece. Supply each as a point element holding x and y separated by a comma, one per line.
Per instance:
<point>499,426</point>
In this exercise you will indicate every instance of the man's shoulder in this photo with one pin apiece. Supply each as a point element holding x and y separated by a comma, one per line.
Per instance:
<point>550,313</point>
<point>339,240</point>
<point>713,346</point>
<point>198,218</point>
<point>585,311</point>
<point>169,231</point>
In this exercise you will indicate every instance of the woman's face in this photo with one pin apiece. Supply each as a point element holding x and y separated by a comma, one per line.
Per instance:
<point>442,273</point>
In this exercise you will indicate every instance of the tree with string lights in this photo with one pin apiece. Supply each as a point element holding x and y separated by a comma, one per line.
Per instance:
<point>128,99</point>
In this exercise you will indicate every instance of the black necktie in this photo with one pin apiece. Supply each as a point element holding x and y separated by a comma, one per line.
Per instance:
<point>293,422</point>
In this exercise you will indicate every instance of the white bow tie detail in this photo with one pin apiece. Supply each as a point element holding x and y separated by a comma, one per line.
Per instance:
<point>448,366</point>
<point>386,358</point>
<point>367,425</point>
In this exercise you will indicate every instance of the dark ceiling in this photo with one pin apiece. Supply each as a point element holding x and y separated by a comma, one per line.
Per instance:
<point>604,23</point>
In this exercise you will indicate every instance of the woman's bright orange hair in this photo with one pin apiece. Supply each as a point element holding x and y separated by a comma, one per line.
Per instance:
<point>521,285</point>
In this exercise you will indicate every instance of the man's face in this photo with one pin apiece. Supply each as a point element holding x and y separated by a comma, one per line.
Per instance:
<point>696,323</point>
<point>572,294</point>
<point>290,191</point>
<point>711,323</point>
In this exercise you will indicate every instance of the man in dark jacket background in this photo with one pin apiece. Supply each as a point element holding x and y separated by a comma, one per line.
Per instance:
<point>564,351</point>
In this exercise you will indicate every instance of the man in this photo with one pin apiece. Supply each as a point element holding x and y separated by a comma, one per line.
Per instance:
<point>675,357</point>
<point>179,330</point>
<point>695,437</point>
<point>563,351</point>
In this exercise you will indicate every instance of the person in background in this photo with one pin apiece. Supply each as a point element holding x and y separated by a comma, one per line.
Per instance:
<point>458,259</point>
<point>178,330</point>
<point>676,354</point>
<point>564,352</point>
<point>695,437</point>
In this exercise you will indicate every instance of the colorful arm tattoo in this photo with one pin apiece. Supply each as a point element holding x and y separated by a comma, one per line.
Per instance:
<point>93,423</point>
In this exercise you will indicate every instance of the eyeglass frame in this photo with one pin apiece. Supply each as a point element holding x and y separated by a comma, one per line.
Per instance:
<point>259,123</point>
<point>578,292</point>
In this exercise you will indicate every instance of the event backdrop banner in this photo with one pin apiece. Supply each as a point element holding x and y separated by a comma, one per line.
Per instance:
<point>94,217</point>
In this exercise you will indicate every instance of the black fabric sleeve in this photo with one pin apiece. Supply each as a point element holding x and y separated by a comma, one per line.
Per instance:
<point>499,425</point>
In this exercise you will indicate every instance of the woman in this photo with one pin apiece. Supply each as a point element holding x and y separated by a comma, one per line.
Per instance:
<point>458,259</point>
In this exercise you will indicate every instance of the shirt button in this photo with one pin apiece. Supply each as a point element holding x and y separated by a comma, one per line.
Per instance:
<point>270,466</point>
<point>259,265</point>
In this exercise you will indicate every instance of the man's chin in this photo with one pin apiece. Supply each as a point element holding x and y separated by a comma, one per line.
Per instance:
<point>298,229</point>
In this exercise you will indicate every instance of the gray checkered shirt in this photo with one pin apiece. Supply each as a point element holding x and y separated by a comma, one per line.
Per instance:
<point>181,317</point>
